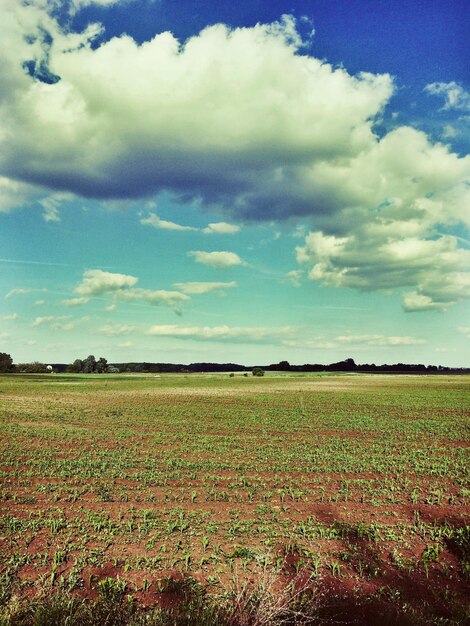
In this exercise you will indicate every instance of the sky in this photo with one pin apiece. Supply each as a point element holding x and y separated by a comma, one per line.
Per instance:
<point>247,182</point>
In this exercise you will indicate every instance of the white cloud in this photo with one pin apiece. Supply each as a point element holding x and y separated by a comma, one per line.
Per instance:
<point>380,340</point>
<point>59,322</point>
<point>465,330</point>
<point>198,125</point>
<point>393,252</point>
<point>216,259</point>
<point>117,329</point>
<point>71,302</point>
<point>156,222</point>
<point>313,343</point>
<point>80,4</point>
<point>125,344</point>
<point>294,277</point>
<point>15,194</point>
<point>17,292</point>
<point>158,296</point>
<point>39,321</point>
<point>449,132</point>
<point>369,340</point>
<point>418,302</point>
<point>51,210</point>
<point>456,97</point>
<point>204,287</point>
<point>96,283</point>
<point>221,333</point>
<point>70,325</point>
<point>12,317</point>
<point>221,228</point>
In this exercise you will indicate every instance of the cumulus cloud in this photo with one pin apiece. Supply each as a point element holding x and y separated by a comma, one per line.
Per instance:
<point>97,283</point>
<point>221,333</point>
<point>198,288</point>
<point>413,301</point>
<point>216,259</point>
<point>199,126</point>
<point>455,96</point>
<point>398,244</point>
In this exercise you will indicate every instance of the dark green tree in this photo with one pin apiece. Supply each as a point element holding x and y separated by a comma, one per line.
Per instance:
<point>89,365</point>
<point>6,362</point>
<point>257,371</point>
<point>76,367</point>
<point>32,368</point>
<point>101,365</point>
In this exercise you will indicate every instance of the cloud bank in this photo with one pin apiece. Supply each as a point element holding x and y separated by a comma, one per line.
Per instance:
<point>289,336</point>
<point>221,333</point>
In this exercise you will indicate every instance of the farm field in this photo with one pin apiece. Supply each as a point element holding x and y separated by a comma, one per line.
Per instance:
<point>352,488</point>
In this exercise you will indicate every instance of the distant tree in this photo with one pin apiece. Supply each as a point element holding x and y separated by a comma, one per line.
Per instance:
<point>32,368</point>
<point>6,362</point>
<point>348,365</point>
<point>101,365</point>
<point>76,367</point>
<point>257,371</point>
<point>89,365</point>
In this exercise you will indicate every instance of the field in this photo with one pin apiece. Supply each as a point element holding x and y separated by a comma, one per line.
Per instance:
<point>350,491</point>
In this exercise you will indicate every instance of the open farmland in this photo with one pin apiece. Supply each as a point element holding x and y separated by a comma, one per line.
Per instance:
<point>357,484</point>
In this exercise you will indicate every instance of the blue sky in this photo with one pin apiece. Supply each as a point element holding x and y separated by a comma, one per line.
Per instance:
<point>247,182</point>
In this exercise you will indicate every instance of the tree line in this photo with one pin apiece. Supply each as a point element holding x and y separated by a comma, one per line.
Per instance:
<point>91,365</point>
